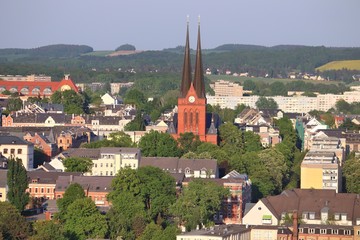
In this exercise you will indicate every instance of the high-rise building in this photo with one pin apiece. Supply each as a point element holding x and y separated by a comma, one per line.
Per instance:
<point>191,115</point>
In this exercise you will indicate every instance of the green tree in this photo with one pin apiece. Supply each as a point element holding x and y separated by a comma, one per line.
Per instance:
<point>77,164</point>
<point>17,183</point>
<point>266,103</point>
<point>231,139</point>
<point>157,189</point>
<point>352,175</point>
<point>47,230</point>
<point>83,220</point>
<point>14,104</point>
<point>156,144</point>
<point>126,47</point>
<point>12,224</point>
<point>126,209</point>
<point>137,124</point>
<point>73,192</point>
<point>198,203</point>
<point>188,142</point>
<point>74,103</point>
<point>135,96</point>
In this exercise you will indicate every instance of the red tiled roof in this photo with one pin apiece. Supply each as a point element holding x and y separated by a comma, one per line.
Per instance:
<point>41,86</point>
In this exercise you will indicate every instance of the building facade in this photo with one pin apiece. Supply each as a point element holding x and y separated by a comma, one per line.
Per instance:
<point>11,146</point>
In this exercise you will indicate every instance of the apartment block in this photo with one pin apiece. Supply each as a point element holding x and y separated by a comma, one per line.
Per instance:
<point>321,170</point>
<point>227,88</point>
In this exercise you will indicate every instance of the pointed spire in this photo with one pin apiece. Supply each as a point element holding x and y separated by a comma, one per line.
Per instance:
<point>199,75</point>
<point>186,76</point>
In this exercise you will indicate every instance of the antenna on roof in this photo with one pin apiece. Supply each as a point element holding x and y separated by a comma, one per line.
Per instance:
<point>199,19</point>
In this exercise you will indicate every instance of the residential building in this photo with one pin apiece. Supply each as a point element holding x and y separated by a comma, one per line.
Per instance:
<point>220,232</point>
<point>191,115</point>
<point>107,161</point>
<point>313,206</point>
<point>110,100</point>
<point>3,185</point>
<point>42,184</point>
<point>44,143</point>
<point>95,187</point>
<point>192,168</point>
<point>11,146</point>
<point>227,88</point>
<point>321,170</point>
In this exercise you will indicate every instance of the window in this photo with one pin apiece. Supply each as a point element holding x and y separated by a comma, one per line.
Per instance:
<point>337,216</point>
<point>301,230</point>
<point>107,164</point>
<point>101,164</point>
<point>111,165</point>
<point>5,150</point>
<point>267,219</point>
<point>311,215</point>
<point>12,151</point>
<point>29,190</point>
<point>347,232</point>
<point>322,231</point>
<point>334,231</point>
<point>36,190</point>
<point>95,165</point>
<point>0,195</point>
<point>19,151</point>
<point>48,190</point>
<point>42,190</point>
<point>344,216</point>
<point>311,230</point>
<point>358,232</point>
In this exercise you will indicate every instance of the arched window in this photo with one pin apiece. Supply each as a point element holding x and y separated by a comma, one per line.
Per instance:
<point>47,91</point>
<point>13,89</point>
<point>24,90</point>
<point>35,91</point>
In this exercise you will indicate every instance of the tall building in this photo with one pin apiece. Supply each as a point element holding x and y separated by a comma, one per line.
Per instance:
<point>192,116</point>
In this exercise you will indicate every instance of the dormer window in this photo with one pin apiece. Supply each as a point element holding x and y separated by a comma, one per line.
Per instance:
<point>187,170</point>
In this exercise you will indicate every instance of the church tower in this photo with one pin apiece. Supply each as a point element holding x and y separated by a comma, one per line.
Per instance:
<point>191,116</point>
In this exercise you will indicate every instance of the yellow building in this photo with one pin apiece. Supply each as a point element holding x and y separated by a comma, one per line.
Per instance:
<point>320,170</point>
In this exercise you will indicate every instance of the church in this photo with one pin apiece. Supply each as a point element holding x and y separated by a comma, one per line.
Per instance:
<point>192,115</point>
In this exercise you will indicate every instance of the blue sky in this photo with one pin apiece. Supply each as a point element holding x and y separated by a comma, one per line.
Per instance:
<point>159,24</point>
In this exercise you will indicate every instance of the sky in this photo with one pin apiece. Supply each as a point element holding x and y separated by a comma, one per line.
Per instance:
<point>159,24</point>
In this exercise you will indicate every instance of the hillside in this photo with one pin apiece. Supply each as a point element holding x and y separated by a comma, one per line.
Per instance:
<point>339,65</point>
<point>274,62</point>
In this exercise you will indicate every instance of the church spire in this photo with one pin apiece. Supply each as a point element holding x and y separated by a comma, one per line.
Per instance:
<point>186,76</point>
<point>199,75</point>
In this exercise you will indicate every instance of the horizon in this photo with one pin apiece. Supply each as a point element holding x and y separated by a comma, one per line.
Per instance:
<point>161,24</point>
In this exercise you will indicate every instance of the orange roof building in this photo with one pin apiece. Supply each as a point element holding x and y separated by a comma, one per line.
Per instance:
<point>37,88</point>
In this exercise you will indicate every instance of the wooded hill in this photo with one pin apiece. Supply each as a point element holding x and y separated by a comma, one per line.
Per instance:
<point>258,61</point>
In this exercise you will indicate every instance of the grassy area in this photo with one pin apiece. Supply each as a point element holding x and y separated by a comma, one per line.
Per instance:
<point>338,65</point>
<point>98,53</point>
<point>267,80</point>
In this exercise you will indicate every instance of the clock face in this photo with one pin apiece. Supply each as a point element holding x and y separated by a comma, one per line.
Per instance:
<point>191,99</point>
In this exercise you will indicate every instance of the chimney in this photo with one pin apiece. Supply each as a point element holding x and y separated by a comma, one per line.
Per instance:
<point>295,225</point>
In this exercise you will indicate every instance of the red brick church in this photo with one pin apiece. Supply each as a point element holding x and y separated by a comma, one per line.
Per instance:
<point>192,116</point>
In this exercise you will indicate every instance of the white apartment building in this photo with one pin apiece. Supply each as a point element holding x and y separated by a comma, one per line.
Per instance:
<point>112,159</point>
<point>11,146</point>
<point>298,104</point>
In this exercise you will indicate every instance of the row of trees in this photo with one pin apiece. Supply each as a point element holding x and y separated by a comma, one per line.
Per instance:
<point>144,206</point>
